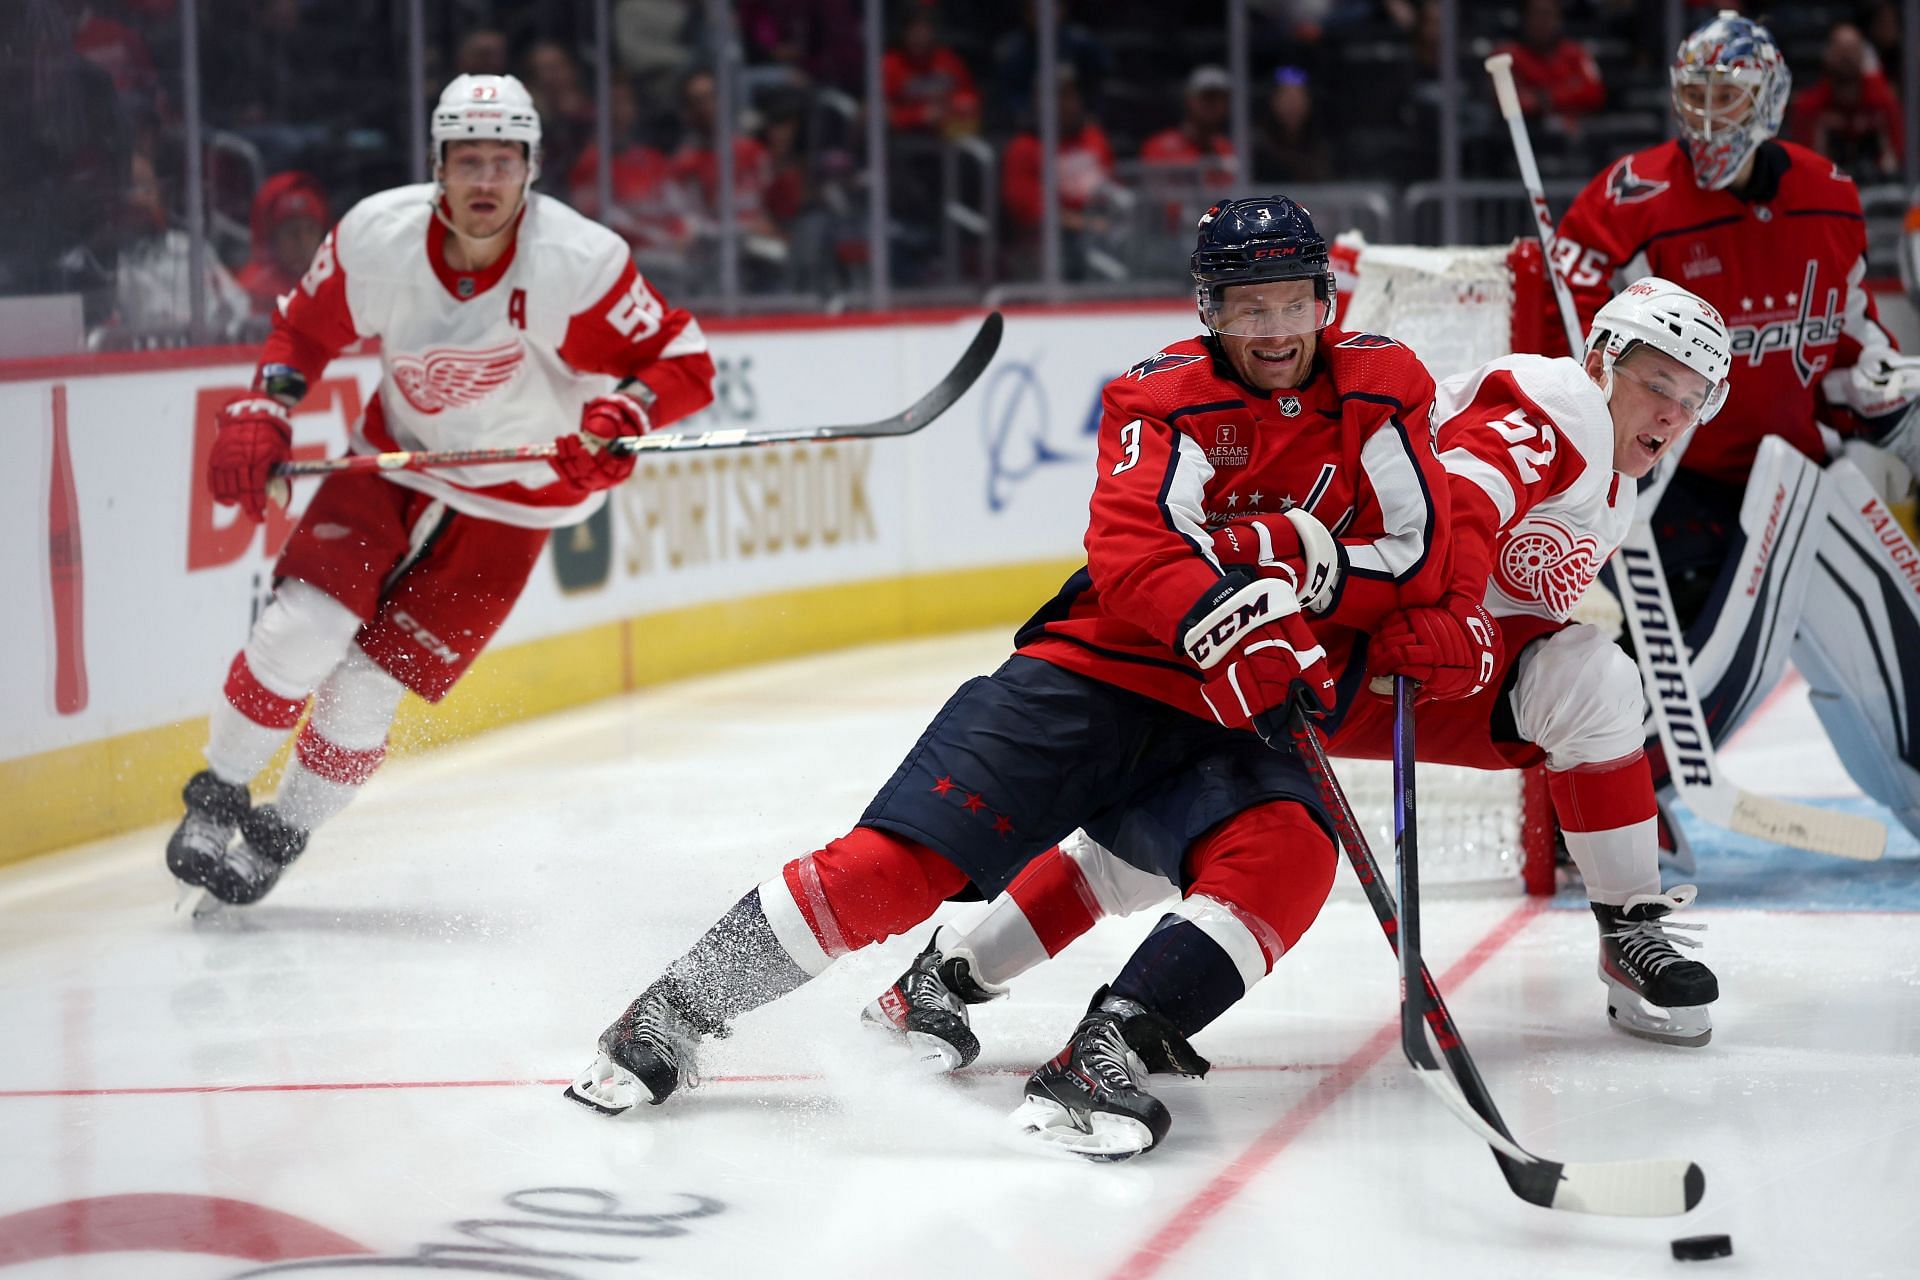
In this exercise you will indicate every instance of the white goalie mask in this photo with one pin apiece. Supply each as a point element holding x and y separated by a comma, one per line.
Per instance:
<point>488,107</point>
<point>1730,91</point>
<point>1672,321</point>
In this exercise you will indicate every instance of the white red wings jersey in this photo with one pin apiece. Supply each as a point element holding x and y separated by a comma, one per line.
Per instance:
<point>1186,447</point>
<point>1783,265</point>
<point>1527,442</point>
<point>504,356</point>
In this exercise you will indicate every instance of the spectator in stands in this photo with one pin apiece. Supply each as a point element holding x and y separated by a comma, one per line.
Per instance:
<point>1200,141</point>
<point>482,52</point>
<point>646,203</point>
<point>1290,146</point>
<point>552,76</point>
<point>118,50</point>
<point>1016,64</point>
<point>1554,74</point>
<point>1085,167</point>
<point>819,39</point>
<point>1851,115</point>
<point>1882,28</point>
<point>153,295</point>
<point>653,43</point>
<point>928,88</point>
<point>289,220</point>
<point>696,173</point>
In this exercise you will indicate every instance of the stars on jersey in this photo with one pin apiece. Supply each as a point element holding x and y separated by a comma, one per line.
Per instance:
<point>973,802</point>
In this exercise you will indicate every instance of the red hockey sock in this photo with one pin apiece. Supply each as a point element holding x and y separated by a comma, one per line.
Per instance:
<point>1606,812</point>
<point>1270,867</point>
<point>867,886</point>
<point>1054,896</point>
<point>256,702</point>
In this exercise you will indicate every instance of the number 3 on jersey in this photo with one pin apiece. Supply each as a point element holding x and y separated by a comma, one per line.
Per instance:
<point>1518,432</point>
<point>1130,441</point>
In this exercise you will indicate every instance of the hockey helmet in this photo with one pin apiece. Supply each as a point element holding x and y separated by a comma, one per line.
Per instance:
<point>487,107</point>
<point>1261,240</point>
<point>1730,90</point>
<point>1672,321</point>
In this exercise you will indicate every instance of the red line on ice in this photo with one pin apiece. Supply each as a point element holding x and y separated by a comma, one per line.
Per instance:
<point>1186,1221</point>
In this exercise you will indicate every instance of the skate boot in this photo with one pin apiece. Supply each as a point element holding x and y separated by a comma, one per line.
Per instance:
<point>214,812</point>
<point>1653,991</point>
<point>927,1005</point>
<point>267,844</point>
<point>648,1052</point>
<point>1090,1098</point>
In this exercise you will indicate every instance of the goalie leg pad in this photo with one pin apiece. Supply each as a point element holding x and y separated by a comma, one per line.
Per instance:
<point>1859,643</point>
<point>1744,633</point>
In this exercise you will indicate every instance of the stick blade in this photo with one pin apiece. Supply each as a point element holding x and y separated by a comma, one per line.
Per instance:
<point>1621,1189</point>
<point>1805,826</point>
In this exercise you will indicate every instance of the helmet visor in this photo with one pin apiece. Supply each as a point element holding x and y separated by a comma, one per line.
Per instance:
<point>1270,309</point>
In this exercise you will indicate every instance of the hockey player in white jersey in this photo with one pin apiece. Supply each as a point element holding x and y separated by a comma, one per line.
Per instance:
<point>1541,454</point>
<point>504,318</point>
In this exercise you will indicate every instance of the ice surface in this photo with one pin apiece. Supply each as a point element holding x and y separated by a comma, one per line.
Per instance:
<point>366,1066</point>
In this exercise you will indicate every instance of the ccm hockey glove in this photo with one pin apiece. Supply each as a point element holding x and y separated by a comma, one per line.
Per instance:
<point>1452,648</point>
<point>1256,653</point>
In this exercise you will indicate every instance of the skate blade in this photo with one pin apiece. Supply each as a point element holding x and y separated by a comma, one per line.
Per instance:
<point>931,1054</point>
<point>607,1088</point>
<point>193,901</point>
<point>1689,1026</point>
<point>1109,1137</point>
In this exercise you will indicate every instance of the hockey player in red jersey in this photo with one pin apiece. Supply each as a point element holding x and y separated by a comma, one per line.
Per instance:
<point>1145,702</point>
<point>503,317</point>
<point>1769,537</point>
<point>1541,455</point>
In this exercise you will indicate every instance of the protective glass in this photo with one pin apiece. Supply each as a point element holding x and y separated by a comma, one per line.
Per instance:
<point>1276,309</point>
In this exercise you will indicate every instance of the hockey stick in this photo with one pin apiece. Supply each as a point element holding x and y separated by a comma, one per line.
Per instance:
<point>972,363</point>
<point>1630,1188</point>
<point>1659,646</point>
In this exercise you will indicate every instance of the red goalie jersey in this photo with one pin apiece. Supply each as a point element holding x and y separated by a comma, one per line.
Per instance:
<point>1783,264</point>
<point>1186,448</point>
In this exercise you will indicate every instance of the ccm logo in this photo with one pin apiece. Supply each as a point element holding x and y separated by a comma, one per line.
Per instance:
<point>1220,635</point>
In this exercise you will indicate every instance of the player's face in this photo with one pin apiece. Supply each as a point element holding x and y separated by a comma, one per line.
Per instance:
<point>1656,399</point>
<point>1712,106</point>
<point>484,180</point>
<point>1269,331</point>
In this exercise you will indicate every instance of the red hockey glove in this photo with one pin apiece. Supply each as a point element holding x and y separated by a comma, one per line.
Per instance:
<point>1294,546</point>
<point>1452,648</point>
<point>254,435</point>
<point>584,457</point>
<point>1257,654</point>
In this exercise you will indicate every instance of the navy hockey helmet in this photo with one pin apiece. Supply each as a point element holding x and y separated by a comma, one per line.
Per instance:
<point>1261,240</point>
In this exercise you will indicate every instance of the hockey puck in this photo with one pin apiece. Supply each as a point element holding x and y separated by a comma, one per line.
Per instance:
<point>1701,1248</point>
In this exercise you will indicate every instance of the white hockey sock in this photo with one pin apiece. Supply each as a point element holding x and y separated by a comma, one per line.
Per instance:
<point>1002,944</point>
<point>237,747</point>
<point>343,743</point>
<point>1606,814</point>
<point>306,799</point>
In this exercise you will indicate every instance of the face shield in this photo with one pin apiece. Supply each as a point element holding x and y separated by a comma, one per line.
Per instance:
<point>1269,309</point>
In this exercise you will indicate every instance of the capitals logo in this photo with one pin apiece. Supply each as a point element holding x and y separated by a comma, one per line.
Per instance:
<point>1542,562</point>
<point>1624,186</point>
<point>1160,364</point>
<point>1797,332</point>
<point>450,378</point>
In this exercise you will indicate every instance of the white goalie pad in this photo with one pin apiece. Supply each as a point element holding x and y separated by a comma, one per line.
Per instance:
<point>1859,641</point>
<point>1754,612</point>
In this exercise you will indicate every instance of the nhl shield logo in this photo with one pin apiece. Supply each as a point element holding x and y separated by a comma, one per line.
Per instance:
<point>1289,406</point>
<point>464,286</point>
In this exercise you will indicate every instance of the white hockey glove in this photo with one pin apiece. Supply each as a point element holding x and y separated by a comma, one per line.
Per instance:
<point>1297,548</point>
<point>1883,389</point>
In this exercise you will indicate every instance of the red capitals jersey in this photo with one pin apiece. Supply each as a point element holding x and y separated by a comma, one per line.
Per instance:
<point>1527,442</point>
<point>1187,448</point>
<point>1783,265</point>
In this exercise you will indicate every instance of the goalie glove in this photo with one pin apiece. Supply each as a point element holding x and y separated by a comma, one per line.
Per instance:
<point>1294,546</point>
<point>1882,389</point>
<point>1257,655</point>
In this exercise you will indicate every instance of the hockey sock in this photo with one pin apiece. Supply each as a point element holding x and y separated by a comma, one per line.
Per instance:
<point>343,743</point>
<point>862,888</point>
<point>249,724</point>
<point>737,965</point>
<point>1256,882</point>
<point>1607,813</point>
<point>1046,907</point>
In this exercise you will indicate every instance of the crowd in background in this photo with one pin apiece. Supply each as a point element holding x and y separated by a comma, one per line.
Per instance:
<point>306,108</point>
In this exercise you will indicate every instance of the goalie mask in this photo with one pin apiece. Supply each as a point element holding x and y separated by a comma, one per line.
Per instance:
<point>1730,90</point>
<point>1672,321</point>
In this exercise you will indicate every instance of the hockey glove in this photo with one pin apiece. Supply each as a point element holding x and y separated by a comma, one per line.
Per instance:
<point>253,436</point>
<point>1451,648</point>
<point>584,457</point>
<point>1295,547</point>
<point>1256,653</point>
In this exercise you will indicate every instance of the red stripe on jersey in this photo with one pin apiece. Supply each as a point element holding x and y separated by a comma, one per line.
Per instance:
<point>465,286</point>
<point>313,323</point>
<point>626,333</point>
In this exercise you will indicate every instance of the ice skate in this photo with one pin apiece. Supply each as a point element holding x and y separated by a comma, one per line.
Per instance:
<point>199,844</point>
<point>1090,1099</point>
<point>926,1007</point>
<point>245,871</point>
<point>1653,991</point>
<point>648,1052</point>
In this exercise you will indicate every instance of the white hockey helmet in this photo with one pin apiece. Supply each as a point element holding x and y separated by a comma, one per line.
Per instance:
<point>487,107</point>
<point>1735,54</point>
<point>1672,321</point>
